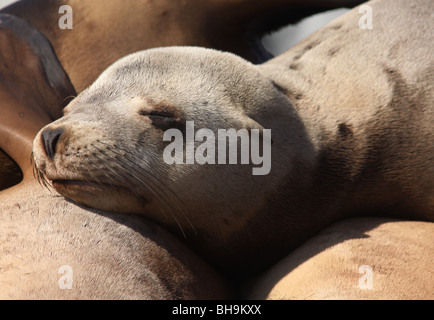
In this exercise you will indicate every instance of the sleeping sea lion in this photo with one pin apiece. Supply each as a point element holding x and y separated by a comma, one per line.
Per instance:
<point>350,113</point>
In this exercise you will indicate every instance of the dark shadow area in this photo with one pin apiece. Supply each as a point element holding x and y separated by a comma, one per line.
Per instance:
<point>10,172</point>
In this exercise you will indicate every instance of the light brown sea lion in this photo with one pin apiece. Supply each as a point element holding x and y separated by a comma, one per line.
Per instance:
<point>350,111</point>
<point>360,258</point>
<point>111,256</point>
<point>53,249</point>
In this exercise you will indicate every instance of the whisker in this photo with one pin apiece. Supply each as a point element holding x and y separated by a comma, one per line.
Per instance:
<point>137,171</point>
<point>113,172</point>
<point>141,177</point>
<point>148,188</point>
<point>91,173</point>
<point>148,172</point>
<point>40,176</point>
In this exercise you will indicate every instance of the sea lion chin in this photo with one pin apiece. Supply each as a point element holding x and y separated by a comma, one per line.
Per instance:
<point>102,196</point>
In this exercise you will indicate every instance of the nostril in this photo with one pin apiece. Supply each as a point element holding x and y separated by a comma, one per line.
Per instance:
<point>50,139</point>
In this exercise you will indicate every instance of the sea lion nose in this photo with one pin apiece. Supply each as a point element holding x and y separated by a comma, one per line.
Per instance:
<point>50,137</point>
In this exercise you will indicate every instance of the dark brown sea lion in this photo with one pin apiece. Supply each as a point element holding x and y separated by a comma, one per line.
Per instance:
<point>106,30</point>
<point>33,90</point>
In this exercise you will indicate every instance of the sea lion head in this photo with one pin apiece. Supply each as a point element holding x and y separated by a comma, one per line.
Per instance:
<point>108,150</point>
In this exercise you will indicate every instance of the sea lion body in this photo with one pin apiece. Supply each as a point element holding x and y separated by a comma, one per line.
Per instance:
<point>33,89</point>
<point>350,111</point>
<point>359,258</point>
<point>54,249</point>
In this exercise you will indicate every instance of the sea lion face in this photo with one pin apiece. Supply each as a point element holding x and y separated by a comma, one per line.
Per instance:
<point>108,150</point>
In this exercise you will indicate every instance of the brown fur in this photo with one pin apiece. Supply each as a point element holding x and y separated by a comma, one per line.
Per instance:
<point>105,31</point>
<point>33,90</point>
<point>10,172</point>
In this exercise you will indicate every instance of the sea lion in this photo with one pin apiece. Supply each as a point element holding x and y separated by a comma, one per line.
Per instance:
<point>102,33</point>
<point>350,111</point>
<point>111,257</point>
<point>33,90</point>
<point>359,258</point>
<point>53,249</point>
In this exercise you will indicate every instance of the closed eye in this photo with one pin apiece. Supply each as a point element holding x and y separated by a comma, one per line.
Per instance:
<point>164,120</point>
<point>163,114</point>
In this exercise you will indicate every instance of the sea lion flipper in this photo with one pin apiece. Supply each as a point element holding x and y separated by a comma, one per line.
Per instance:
<point>21,40</point>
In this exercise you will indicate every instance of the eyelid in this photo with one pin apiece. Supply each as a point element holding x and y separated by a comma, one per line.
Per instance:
<point>160,111</point>
<point>161,114</point>
<point>164,118</point>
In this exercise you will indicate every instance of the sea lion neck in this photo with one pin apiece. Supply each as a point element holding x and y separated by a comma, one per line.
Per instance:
<point>363,110</point>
